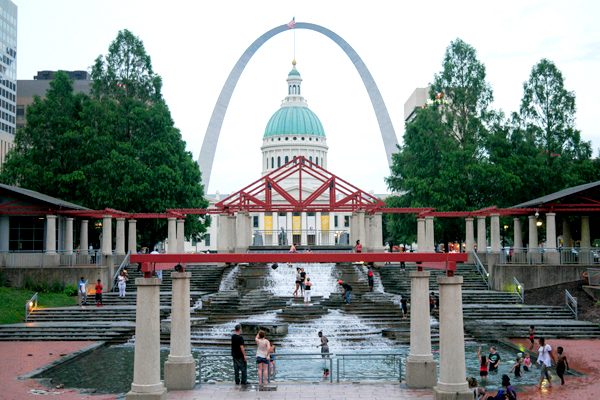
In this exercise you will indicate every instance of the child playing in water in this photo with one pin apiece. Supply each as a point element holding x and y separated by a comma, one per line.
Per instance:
<point>527,363</point>
<point>561,364</point>
<point>517,368</point>
<point>483,370</point>
<point>271,358</point>
<point>531,334</point>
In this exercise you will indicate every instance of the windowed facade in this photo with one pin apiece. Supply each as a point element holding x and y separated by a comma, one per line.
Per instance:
<point>26,234</point>
<point>255,221</point>
<point>207,240</point>
<point>278,162</point>
<point>335,221</point>
<point>346,221</point>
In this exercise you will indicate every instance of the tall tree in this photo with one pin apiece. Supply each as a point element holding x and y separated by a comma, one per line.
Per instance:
<point>117,149</point>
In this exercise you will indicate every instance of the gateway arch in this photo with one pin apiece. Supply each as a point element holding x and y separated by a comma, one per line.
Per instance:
<point>209,145</point>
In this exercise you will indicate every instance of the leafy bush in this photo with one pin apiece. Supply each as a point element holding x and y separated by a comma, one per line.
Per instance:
<point>40,287</point>
<point>57,287</point>
<point>70,290</point>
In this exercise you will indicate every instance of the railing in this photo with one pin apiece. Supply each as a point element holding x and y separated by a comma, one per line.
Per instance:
<point>549,255</point>
<point>481,269</point>
<point>571,303</point>
<point>519,289</point>
<point>303,237</point>
<point>124,264</point>
<point>593,276</point>
<point>31,305</point>
<point>392,360</point>
<point>59,258</point>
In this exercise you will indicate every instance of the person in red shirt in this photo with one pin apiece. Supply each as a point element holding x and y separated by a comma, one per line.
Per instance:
<point>99,294</point>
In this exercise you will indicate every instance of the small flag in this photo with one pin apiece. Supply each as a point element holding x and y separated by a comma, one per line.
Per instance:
<point>292,23</point>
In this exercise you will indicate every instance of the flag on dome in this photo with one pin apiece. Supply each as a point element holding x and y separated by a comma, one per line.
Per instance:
<point>292,23</point>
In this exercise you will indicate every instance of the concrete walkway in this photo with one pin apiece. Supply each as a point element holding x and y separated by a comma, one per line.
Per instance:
<point>302,391</point>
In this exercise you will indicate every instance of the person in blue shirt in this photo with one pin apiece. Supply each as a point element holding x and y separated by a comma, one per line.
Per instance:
<point>348,290</point>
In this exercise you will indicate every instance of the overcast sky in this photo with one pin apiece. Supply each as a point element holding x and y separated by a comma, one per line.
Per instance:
<point>195,44</point>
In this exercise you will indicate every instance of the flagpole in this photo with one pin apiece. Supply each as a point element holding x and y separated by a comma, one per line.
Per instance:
<point>294,37</point>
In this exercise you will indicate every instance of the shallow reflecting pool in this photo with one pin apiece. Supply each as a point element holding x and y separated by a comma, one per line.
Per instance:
<point>110,369</point>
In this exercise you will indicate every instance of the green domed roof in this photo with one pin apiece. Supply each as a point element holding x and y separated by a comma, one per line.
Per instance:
<point>294,72</point>
<point>294,121</point>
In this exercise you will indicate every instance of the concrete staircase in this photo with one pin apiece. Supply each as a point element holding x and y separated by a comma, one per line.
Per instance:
<point>205,278</point>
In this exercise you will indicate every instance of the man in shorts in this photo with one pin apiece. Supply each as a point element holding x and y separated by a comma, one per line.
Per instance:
<point>99,287</point>
<point>494,360</point>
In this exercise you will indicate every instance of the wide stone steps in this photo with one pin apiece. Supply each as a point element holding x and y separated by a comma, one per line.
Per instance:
<point>205,278</point>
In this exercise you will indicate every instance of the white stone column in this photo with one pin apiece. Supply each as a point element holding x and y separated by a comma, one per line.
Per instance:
<point>366,243</point>
<point>303,228</point>
<point>533,233</point>
<point>4,232</point>
<point>51,234</point>
<point>451,383</point>
<point>377,233</point>
<point>241,227</point>
<point>429,235</point>
<point>83,237</point>
<point>106,235</point>
<point>495,233</point>
<point>289,226</point>
<point>354,228</point>
<point>224,233</point>
<point>69,236</point>
<point>180,236</point>
<point>232,229</point>
<point>518,234</point>
<point>421,370</point>
<point>470,236</point>
<point>481,236</point>
<point>180,368</point>
<point>132,236</point>
<point>551,232</point>
<point>120,237</point>
<point>585,232</point>
<point>360,227</point>
<point>566,233</point>
<point>318,231</point>
<point>146,365</point>
<point>421,246</point>
<point>172,235</point>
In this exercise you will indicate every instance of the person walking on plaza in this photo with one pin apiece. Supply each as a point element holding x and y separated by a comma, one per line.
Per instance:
<point>99,287</point>
<point>545,358</point>
<point>561,364</point>
<point>347,291</point>
<point>324,345</point>
<point>82,292</point>
<point>262,354</point>
<point>307,292</point>
<point>121,283</point>
<point>358,247</point>
<point>494,360</point>
<point>238,353</point>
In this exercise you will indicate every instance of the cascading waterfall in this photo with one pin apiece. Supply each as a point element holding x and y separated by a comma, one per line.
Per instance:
<point>228,282</point>
<point>281,281</point>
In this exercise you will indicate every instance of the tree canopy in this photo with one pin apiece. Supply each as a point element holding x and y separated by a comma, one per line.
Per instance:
<point>460,155</point>
<point>117,149</point>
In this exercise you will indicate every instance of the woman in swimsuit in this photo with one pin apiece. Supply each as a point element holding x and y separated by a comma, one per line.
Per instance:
<point>295,293</point>
<point>483,370</point>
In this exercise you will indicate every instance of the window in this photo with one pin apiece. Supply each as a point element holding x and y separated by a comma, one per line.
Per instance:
<point>278,162</point>
<point>272,162</point>
<point>295,138</point>
<point>26,233</point>
<point>346,221</point>
<point>298,89</point>
<point>290,90</point>
<point>335,221</point>
<point>255,221</point>
<point>302,138</point>
<point>207,240</point>
<point>317,159</point>
<point>286,159</point>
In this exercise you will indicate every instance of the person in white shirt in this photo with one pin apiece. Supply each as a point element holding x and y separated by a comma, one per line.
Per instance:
<point>545,358</point>
<point>82,292</point>
<point>121,282</point>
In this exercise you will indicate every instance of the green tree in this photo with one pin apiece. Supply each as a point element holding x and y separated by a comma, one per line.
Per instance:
<point>117,149</point>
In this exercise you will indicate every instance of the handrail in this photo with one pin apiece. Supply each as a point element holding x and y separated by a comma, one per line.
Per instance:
<point>571,303</point>
<point>482,271</point>
<point>31,305</point>
<point>121,267</point>
<point>519,289</point>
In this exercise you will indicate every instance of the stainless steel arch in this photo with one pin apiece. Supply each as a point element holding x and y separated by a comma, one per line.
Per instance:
<point>209,145</point>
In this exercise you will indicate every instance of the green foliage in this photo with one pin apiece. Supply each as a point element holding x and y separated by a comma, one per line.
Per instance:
<point>12,303</point>
<point>43,287</point>
<point>70,290</point>
<point>117,149</point>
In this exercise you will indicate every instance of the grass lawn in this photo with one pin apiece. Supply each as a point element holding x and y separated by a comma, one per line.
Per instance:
<point>12,303</point>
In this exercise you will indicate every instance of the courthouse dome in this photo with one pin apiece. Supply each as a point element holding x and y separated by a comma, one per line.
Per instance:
<point>294,121</point>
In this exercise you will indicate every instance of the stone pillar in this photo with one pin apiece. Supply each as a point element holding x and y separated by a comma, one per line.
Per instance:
<point>4,232</point>
<point>360,227</point>
<point>180,236</point>
<point>366,248</point>
<point>69,236</point>
<point>470,236</point>
<point>224,233</point>
<point>567,241</point>
<point>83,237</point>
<point>377,233</point>
<point>429,235</point>
<point>120,237</point>
<point>451,383</point>
<point>289,228</point>
<point>146,366</point>
<point>319,239</point>
<point>354,229</point>
<point>180,368</point>
<point>518,234</point>
<point>232,229</point>
<point>132,236</point>
<point>585,232</point>
<point>421,370</point>
<point>481,236</point>
<point>551,232</point>
<point>495,233</point>
<point>533,233</point>
<point>421,246</point>
<point>171,235</point>
<point>241,228</point>
<point>303,228</point>
<point>51,234</point>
